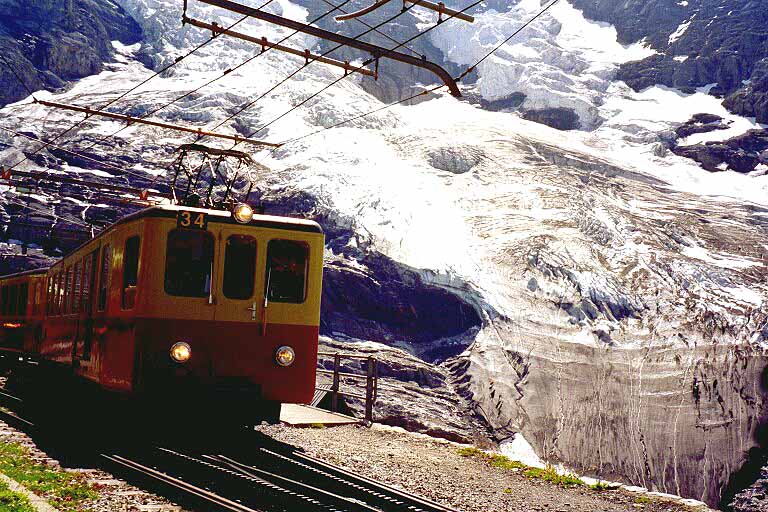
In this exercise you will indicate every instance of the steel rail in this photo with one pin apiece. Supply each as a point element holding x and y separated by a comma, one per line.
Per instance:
<point>306,54</point>
<point>194,490</point>
<point>361,480</point>
<point>298,498</point>
<point>88,111</point>
<point>290,483</point>
<point>376,51</point>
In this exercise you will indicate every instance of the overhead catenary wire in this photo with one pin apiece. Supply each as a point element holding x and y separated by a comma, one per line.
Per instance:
<point>18,78</point>
<point>433,89</point>
<point>224,74</point>
<point>291,75</point>
<point>334,82</point>
<point>54,215</point>
<point>122,95</point>
<point>75,153</point>
<point>467,71</point>
<point>384,34</point>
<point>324,54</point>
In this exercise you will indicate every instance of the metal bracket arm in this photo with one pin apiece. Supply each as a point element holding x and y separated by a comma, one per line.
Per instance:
<point>439,8</point>
<point>218,29</point>
<point>130,120</point>
<point>376,51</point>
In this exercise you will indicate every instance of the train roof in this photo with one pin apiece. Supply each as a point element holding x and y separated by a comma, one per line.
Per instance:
<point>225,217</point>
<point>221,216</point>
<point>32,272</point>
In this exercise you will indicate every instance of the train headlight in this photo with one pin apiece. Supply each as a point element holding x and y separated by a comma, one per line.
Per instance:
<point>181,352</point>
<point>285,356</point>
<point>243,213</point>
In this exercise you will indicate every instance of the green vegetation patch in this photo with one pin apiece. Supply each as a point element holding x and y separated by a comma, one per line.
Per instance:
<point>12,501</point>
<point>548,474</point>
<point>63,490</point>
<point>602,486</point>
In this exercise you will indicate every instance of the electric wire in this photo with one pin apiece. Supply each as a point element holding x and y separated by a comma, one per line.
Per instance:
<point>467,71</point>
<point>121,96</point>
<point>75,153</point>
<point>18,78</point>
<point>226,73</point>
<point>324,54</point>
<point>54,215</point>
<point>363,22</point>
<point>334,82</point>
<point>400,44</point>
<point>291,75</point>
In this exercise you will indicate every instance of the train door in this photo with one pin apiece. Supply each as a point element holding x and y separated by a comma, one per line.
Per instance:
<point>85,333</point>
<point>237,296</point>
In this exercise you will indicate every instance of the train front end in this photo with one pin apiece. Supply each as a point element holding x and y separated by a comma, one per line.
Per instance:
<point>228,312</point>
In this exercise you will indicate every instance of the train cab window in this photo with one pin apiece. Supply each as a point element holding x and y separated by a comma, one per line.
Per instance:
<point>130,271</point>
<point>239,267</point>
<point>23,298</point>
<point>286,271</point>
<point>189,263</point>
<point>106,258</point>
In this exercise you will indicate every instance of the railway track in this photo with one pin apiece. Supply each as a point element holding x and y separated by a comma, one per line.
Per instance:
<point>239,471</point>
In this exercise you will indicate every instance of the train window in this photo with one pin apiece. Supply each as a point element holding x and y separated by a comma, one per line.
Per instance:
<point>90,263</point>
<point>77,279</point>
<point>188,263</point>
<point>239,267</point>
<point>66,307</point>
<point>106,258</point>
<point>130,271</point>
<point>286,271</point>
<point>13,299</point>
<point>60,294</point>
<point>4,300</point>
<point>23,298</point>
<point>36,298</point>
<point>49,294</point>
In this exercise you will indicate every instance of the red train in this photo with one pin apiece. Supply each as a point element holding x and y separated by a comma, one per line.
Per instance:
<point>177,304</point>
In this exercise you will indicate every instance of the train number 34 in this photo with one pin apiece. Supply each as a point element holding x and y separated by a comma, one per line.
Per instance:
<point>192,220</point>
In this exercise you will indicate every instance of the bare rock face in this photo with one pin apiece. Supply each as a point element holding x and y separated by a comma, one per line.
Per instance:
<point>52,42</point>
<point>751,100</point>
<point>741,154</point>
<point>559,118</point>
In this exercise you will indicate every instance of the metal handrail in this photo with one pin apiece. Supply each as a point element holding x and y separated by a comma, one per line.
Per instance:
<point>370,378</point>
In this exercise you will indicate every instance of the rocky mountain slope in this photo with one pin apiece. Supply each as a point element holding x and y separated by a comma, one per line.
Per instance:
<point>586,290</point>
<point>50,43</point>
<point>698,42</point>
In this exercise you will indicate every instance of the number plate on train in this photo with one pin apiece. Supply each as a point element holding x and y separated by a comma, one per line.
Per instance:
<point>192,220</point>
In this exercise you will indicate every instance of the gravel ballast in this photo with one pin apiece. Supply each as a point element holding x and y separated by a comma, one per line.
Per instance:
<point>434,469</point>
